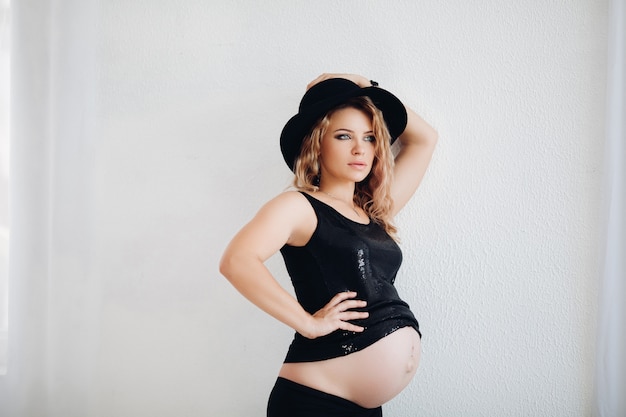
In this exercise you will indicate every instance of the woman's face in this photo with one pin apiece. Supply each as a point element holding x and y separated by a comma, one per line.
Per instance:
<point>347,148</point>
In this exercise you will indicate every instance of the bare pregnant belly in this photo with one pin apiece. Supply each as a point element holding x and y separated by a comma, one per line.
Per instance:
<point>370,377</point>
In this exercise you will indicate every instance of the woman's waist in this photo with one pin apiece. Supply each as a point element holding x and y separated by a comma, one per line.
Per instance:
<point>343,343</point>
<point>380,323</point>
<point>386,365</point>
<point>383,314</point>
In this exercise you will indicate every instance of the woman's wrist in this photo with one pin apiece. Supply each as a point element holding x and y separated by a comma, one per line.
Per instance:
<point>363,82</point>
<point>359,80</point>
<point>306,328</point>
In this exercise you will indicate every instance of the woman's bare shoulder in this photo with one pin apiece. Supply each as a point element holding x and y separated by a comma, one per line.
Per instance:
<point>293,211</point>
<point>287,200</point>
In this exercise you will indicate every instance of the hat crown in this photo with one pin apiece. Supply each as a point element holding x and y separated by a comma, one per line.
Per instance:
<point>326,90</point>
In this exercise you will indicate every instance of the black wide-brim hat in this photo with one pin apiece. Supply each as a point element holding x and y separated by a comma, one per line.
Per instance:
<point>325,96</point>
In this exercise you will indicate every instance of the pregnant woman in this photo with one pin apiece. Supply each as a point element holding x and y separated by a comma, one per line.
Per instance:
<point>357,344</point>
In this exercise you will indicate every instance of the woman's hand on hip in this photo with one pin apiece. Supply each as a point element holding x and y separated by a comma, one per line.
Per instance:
<point>336,315</point>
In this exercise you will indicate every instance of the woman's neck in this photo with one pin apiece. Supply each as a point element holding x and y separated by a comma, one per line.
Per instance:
<point>343,192</point>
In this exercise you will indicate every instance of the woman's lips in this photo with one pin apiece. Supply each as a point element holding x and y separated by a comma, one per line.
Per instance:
<point>358,165</point>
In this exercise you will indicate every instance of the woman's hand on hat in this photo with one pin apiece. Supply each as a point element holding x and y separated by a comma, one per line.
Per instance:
<point>359,80</point>
<point>336,315</point>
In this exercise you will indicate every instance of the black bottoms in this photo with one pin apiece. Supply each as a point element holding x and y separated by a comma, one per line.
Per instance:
<point>290,399</point>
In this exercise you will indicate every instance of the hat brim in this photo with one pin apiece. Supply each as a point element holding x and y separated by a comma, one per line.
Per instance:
<point>292,135</point>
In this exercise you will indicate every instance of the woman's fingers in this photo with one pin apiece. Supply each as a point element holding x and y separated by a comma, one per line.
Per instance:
<point>360,80</point>
<point>353,315</point>
<point>350,304</point>
<point>341,298</point>
<point>345,301</point>
<point>338,313</point>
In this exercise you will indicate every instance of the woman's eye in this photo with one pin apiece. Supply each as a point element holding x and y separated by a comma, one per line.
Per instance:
<point>370,139</point>
<point>343,136</point>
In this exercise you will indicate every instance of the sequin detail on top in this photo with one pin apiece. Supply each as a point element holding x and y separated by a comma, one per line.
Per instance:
<point>361,263</point>
<point>343,255</point>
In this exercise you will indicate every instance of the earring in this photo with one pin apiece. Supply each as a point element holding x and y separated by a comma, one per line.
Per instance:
<point>316,179</point>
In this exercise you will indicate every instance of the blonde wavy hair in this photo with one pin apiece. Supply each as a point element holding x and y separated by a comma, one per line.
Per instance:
<point>373,194</point>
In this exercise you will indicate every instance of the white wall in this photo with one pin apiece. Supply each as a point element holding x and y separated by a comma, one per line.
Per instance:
<point>157,138</point>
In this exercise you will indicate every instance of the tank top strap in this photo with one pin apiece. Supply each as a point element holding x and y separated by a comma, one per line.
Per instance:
<point>323,210</point>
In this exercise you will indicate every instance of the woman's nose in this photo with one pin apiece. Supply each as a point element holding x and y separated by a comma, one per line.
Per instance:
<point>358,148</point>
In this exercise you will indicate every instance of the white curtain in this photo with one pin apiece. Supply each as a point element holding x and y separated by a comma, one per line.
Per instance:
<point>611,360</point>
<point>4,177</point>
<point>51,100</point>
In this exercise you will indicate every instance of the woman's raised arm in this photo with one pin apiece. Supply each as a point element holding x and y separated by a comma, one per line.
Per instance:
<point>417,146</point>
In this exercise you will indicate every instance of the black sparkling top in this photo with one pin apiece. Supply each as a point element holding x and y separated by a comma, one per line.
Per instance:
<point>343,255</point>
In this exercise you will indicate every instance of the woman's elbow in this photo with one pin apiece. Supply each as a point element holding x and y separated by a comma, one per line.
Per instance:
<point>236,265</point>
<point>433,136</point>
<point>227,265</point>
